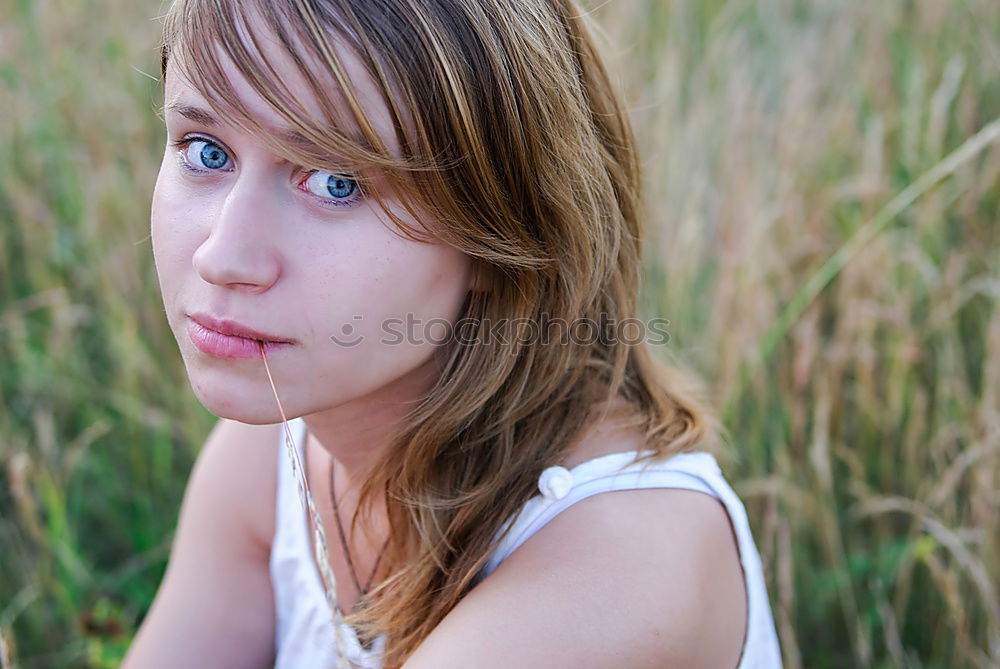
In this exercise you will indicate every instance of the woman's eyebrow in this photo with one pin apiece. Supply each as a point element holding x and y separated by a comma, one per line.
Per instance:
<point>193,113</point>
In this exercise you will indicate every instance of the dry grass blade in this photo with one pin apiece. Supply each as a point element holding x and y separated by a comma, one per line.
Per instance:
<point>4,657</point>
<point>950,539</point>
<point>829,269</point>
<point>305,498</point>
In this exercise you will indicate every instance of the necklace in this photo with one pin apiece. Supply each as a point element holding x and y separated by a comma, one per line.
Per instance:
<point>347,551</point>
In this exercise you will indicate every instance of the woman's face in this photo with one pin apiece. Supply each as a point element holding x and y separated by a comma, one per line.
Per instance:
<point>241,235</point>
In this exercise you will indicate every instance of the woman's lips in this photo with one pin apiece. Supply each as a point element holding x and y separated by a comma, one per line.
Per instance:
<point>228,346</point>
<point>234,328</point>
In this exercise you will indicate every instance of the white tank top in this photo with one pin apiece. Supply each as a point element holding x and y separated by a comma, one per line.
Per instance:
<point>305,639</point>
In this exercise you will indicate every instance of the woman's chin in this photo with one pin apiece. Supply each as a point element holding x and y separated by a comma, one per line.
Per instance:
<point>254,406</point>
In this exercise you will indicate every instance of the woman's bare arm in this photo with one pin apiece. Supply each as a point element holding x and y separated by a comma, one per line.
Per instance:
<point>215,606</point>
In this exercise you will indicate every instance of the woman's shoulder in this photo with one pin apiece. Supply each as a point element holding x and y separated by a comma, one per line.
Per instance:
<point>653,555</point>
<point>648,577</point>
<point>249,457</point>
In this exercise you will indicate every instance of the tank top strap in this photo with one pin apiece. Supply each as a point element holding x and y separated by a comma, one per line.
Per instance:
<point>560,488</point>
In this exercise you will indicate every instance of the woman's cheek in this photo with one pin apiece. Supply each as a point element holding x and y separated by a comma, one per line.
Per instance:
<point>158,225</point>
<point>173,221</point>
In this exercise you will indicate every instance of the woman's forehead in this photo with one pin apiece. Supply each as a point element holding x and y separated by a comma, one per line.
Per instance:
<point>181,96</point>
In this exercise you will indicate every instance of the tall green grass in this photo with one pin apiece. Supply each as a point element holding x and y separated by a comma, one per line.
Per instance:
<point>823,185</point>
<point>97,430</point>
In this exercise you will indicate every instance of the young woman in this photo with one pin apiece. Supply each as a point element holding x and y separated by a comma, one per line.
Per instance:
<point>413,227</point>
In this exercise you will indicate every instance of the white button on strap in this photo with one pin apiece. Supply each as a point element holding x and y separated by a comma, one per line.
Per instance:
<point>555,482</point>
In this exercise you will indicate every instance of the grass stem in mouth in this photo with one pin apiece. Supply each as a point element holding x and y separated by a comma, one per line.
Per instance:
<point>306,499</point>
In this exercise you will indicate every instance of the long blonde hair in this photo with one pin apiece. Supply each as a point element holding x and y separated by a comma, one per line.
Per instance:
<point>517,150</point>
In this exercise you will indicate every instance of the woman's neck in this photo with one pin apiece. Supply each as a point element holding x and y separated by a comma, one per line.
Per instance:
<point>358,434</point>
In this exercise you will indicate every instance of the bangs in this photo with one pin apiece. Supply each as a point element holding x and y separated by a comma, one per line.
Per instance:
<point>207,40</point>
<point>479,151</point>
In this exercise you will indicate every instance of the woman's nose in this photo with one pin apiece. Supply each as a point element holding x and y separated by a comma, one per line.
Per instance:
<point>240,250</point>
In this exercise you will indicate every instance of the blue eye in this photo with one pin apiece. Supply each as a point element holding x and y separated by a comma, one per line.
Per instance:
<point>203,154</point>
<point>327,185</point>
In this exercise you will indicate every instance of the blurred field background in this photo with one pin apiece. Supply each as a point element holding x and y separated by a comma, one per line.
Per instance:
<point>823,184</point>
